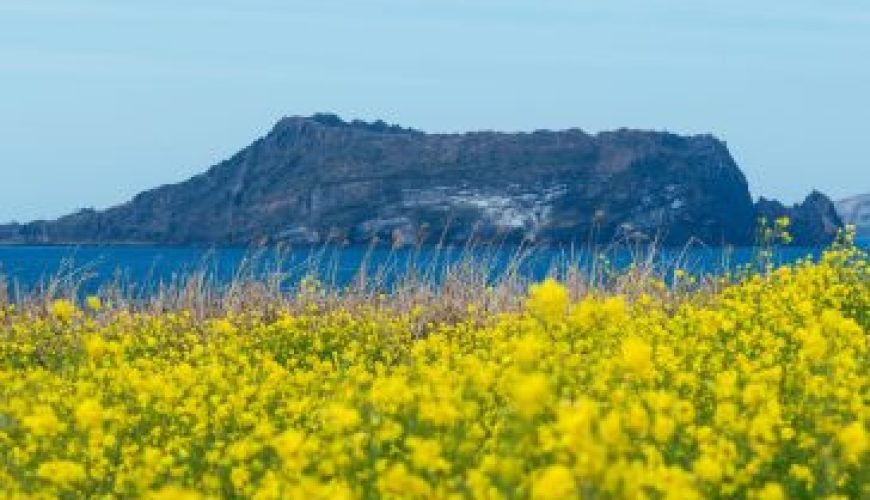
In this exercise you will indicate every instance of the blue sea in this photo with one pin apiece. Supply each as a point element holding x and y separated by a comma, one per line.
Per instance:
<point>140,269</point>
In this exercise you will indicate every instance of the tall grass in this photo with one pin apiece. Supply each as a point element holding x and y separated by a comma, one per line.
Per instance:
<point>448,280</point>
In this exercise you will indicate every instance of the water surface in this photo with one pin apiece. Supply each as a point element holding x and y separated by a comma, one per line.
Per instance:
<point>142,268</point>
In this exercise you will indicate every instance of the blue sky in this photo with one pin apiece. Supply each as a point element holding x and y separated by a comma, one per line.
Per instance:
<point>103,98</point>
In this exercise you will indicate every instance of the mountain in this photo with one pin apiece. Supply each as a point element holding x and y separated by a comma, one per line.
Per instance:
<point>320,178</point>
<point>856,211</point>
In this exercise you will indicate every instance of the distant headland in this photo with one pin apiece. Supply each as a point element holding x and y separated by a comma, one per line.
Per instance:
<point>321,179</point>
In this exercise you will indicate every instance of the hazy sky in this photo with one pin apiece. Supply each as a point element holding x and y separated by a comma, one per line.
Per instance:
<point>100,99</point>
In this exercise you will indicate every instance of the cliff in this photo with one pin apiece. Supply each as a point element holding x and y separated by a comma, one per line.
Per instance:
<point>813,221</point>
<point>319,178</point>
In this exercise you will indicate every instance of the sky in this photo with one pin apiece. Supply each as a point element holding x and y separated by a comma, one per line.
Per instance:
<point>101,99</point>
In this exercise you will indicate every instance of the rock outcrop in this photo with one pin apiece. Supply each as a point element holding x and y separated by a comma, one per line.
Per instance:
<point>813,221</point>
<point>316,179</point>
<point>856,211</point>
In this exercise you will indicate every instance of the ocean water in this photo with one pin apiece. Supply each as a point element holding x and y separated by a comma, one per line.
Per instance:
<point>141,269</point>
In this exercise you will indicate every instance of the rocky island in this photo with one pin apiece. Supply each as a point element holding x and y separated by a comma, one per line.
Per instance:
<point>322,179</point>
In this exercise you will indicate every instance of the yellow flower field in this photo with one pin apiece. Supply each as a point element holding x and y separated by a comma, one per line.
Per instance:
<point>759,388</point>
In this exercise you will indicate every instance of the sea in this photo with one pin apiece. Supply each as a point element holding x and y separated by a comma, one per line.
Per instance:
<point>142,269</point>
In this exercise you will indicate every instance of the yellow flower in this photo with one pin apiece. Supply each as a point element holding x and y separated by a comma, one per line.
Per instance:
<point>223,327</point>
<point>531,394</point>
<point>727,414</point>
<point>614,309</point>
<point>438,413</point>
<point>853,442</point>
<point>813,344</point>
<point>389,431</point>
<point>663,428</point>
<point>547,300</point>
<point>610,428</point>
<point>62,310</point>
<point>726,384</point>
<point>684,412</point>
<point>554,482</point>
<point>637,357</point>
<point>63,473</point>
<point>388,394</point>
<point>802,473</point>
<point>240,478</point>
<point>707,469</point>
<point>89,414</point>
<point>43,422</point>
<point>426,455</point>
<point>290,446</point>
<point>340,418</point>
<point>398,482</point>
<point>95,346</point>
<point>584,314</point>
<point>528,350</point>
<point>94,303</point>
<point>637,419</point>
<point>771,491</point>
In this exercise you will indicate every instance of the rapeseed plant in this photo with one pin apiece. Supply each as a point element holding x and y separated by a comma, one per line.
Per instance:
<point>758,389</point>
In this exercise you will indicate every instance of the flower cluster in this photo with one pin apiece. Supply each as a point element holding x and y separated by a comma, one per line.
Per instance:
<point>758,389</point>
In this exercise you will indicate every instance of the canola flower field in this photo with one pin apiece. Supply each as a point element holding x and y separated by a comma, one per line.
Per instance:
<point>757,389</point>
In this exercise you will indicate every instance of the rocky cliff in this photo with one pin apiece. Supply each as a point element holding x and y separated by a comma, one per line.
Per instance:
<point>856,211</point>
<point>813,221</point>
<point>319,178</point>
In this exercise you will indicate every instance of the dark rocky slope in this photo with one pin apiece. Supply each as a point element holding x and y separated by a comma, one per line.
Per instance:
<point>812,221</point>
<point>322,179</point>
